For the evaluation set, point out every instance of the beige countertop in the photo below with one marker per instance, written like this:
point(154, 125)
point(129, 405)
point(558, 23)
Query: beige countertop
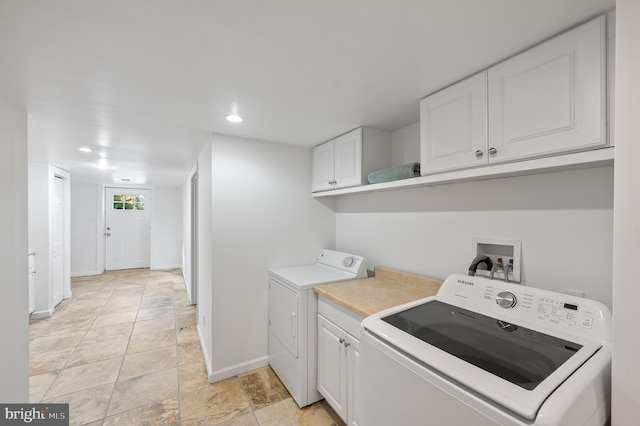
point(387, 288)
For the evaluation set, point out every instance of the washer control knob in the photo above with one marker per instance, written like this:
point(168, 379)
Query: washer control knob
point(348, 261)
point(506, 300)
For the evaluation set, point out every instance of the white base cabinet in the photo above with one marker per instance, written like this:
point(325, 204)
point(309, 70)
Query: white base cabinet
point(347, 160)
point(339, 359)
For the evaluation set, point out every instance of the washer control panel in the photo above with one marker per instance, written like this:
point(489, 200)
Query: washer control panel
point(523, 304)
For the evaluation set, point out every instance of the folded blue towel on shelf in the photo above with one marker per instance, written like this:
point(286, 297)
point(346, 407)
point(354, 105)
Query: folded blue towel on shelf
point(395, 173)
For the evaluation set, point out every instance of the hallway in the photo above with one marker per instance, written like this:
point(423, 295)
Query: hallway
point(124, 351)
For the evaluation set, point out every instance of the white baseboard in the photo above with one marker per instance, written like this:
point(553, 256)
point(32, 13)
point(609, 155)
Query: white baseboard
point(85, 274)
point(231, 371)
point(41, 314)
point(234, 370)
point(165, 267)
point(205, 354)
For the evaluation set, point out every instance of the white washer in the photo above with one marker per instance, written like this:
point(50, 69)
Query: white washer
point(485, 352)
point(293, 319)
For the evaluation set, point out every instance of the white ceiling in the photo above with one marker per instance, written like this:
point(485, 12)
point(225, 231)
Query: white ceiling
point(144, 82)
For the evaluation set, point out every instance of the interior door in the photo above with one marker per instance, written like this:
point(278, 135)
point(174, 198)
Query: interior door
point(58, 249)
point(128, 228)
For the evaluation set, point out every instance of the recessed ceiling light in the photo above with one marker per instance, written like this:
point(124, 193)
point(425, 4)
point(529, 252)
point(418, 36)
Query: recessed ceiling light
point(103, 164)
point(85, 149)
point(234, 118)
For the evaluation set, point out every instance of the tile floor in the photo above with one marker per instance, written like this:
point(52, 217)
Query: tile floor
point(124, 351)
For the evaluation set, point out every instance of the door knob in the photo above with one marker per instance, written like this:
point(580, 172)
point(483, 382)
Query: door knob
point(479, 154)
point(493, 151)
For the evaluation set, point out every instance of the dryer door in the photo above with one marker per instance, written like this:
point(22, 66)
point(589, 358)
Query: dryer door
point(284, 309)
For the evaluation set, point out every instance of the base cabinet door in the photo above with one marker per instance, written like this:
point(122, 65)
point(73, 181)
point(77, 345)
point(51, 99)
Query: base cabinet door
point(551, 98)
point(353, 380)
point(332, 365)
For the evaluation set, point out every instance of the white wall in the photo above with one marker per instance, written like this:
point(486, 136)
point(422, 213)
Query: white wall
point(256, 212)
point(626, 288)
point(564, 221)
point(166, 228)
point(405, 145)
point(85, 220)
point(14, 317)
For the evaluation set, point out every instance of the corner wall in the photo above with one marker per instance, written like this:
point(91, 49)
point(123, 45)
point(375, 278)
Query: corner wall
point(255, 212)
point(14, 307)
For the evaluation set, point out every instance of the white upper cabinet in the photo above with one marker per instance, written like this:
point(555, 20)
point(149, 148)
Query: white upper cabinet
point(347, 160)
point(551, 98)
point(453, 126)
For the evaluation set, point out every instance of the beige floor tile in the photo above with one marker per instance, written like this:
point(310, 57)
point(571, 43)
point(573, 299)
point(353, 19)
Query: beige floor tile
point(187, 334)
point(160, 413)
point(150, 341)
point(192, 376)
point(141, 363)
point(190, 352)
point(155, 301)
point(216, 403)
point(39, 385)
point(144, 390)
point(99, 333)
point(86, 406)
point(287, 413)
point(248, 419)
point(263, 388)
point(121, 304)
point(94, 350)
point(113, 319)
point(68, 326)
point(83, 377)
point(155, 312)
point(56, 343)
point(154, 325)
point(42, 362)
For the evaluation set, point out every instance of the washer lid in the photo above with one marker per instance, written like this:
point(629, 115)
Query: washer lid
point(473, 351)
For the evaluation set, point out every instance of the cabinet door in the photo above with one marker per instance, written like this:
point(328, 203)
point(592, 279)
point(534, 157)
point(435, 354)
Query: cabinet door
point(348, 159)
point(453, 126)
point(322, 167)
point(551, 98)
point(332, 365)
point(353, 380)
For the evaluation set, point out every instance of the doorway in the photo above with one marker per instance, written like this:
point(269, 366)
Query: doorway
point(127, 228)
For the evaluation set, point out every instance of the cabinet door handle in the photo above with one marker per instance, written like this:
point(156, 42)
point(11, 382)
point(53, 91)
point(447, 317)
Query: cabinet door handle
point(493, 151)
point(479, 153)
point(347, 344)
point(342, 341)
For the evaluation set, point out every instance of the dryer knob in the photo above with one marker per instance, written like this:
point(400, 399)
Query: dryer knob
point(506, 300)
point(348, 261)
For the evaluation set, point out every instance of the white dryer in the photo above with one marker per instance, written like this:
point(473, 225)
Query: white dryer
point(293, 319)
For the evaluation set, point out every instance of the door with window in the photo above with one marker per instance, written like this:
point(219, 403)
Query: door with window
point(127, 228)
